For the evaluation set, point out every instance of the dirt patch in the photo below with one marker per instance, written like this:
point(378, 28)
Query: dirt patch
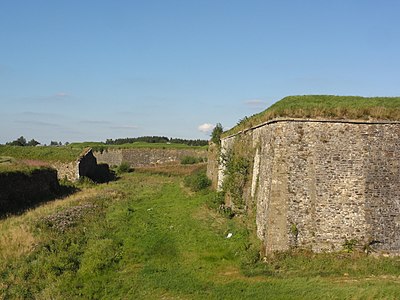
point(34, 163)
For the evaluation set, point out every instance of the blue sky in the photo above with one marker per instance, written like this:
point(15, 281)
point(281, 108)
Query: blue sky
point(91, 70)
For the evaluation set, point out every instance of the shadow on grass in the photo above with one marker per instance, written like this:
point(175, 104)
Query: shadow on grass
point(18, 203)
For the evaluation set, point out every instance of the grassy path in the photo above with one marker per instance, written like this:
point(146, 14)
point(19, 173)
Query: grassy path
point(148, 237)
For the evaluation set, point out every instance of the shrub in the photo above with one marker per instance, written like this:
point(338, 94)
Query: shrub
point(197, 181)
point(349, 245)
point(190, 160)
point(124, 167)
point(216, 134)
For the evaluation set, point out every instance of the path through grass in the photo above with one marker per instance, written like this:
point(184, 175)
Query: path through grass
point(148, 237)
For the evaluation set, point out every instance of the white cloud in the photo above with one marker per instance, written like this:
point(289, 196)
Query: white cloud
point(206, 127)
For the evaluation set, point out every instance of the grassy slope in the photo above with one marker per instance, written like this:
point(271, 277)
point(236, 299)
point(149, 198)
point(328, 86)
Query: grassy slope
point(72, 152)
point(64, 154)
point(100, 145)
point(150, 238)
point(326, 106)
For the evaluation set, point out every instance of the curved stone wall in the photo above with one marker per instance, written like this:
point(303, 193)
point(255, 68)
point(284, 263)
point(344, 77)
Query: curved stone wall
point(317, 184)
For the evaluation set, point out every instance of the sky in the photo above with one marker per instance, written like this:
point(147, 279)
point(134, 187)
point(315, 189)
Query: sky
point(73, 70)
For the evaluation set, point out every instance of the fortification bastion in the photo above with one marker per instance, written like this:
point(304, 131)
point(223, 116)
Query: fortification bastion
point(318, 183)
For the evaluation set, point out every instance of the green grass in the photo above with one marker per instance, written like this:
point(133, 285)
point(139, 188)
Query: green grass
point(64, 153)
point(148, 237)
point(102, 146)
point(10, 165)
point(326, 106)
point(72, 151)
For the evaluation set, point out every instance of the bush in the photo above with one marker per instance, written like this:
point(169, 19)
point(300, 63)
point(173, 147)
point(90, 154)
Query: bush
point(124, 167)
point(190, 160)
point(197, 181)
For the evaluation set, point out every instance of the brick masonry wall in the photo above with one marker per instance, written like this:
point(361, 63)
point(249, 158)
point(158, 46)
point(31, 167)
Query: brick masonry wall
point(317, 183)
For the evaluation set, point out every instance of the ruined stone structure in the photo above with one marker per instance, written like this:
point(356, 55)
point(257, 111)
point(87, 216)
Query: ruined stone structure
point(145, 157)
point(86, 165)
point(317, 183)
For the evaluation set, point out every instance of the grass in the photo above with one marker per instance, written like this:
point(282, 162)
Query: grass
point(98, 146)
point(326, 106)
point(11, 165)
point(72, 151)
point(147, 237)
point(63, 154)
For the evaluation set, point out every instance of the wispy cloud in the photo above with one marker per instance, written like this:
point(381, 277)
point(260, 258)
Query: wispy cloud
point(53, 98)
point(40, 114)
point(95, 122)
point(255, 103)
point(128, 127)
point(37, 123)
point(206, 127)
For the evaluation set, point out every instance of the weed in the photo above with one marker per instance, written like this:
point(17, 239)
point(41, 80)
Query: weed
point(349, 245)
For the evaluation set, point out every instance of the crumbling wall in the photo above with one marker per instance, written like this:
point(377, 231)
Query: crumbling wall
point(88, 167)
point(69, 171)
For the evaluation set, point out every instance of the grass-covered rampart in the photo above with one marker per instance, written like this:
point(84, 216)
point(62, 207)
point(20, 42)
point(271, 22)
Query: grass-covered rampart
point(48, 154)
point(98, 146)
point(326, 107)
point(72, 151)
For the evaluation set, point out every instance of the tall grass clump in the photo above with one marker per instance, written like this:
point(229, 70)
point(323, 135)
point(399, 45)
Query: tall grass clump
point(190, 160)
point(197, 181)
point(124, 167)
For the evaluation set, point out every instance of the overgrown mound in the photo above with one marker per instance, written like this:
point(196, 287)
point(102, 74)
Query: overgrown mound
point(326, 107)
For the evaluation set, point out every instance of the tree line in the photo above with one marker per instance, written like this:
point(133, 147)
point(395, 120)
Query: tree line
point(157, 139)
point(21, 141)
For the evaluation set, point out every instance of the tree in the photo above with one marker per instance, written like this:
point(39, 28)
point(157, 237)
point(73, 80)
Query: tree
point(21, 141)
point(216, 134)
point(33, 142)
point(53, 143)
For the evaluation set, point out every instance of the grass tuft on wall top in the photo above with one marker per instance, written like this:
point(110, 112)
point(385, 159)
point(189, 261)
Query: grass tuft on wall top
point(326, 107)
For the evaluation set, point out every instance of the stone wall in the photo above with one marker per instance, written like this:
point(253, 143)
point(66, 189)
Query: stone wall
point(69, 171)
point(212, 164)
point(86, 165)
point(20, 190)
point(317, 184)
point(143, 157)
